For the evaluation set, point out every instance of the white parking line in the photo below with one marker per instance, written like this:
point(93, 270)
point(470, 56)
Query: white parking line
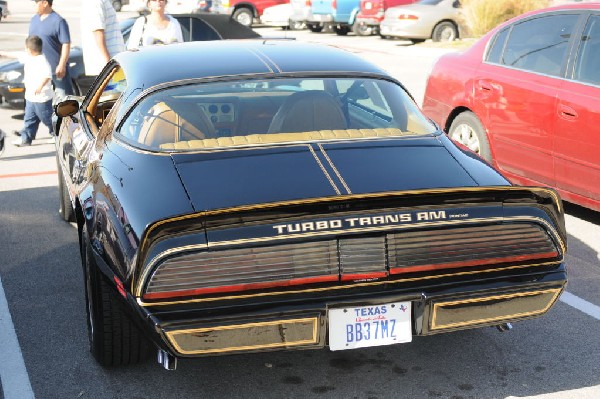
point(581, 304)
point(13, 374)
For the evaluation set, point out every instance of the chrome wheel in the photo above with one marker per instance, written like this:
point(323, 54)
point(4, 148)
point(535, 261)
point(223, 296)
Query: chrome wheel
point(465, 135)
point(468, 130)
point(243, 16)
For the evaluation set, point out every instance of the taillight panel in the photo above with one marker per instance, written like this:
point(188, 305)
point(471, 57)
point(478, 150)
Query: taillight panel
point(349, 259)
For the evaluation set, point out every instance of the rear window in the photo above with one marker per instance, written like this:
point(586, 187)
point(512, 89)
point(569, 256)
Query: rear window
point(272, 111)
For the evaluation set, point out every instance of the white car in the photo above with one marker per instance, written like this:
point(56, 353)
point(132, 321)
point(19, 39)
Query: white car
point(290, 15)
point(280, 15)
point(185, 6)
point(134, 6)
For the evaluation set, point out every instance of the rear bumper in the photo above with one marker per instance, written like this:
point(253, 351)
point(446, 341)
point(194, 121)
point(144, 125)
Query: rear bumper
point(369, 21)
point(305, 326)
point(13, 95)
point(319, 18)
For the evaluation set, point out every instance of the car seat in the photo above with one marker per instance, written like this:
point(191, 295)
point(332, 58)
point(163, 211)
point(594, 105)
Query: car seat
point(307, 111)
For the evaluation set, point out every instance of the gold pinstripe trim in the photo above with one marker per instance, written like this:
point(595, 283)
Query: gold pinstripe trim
point(269, 205)
point(171, 336)
point(344, 287)
point(337, 173)
point(149, 267)
point(555, 291)
point(258, 55)
point(314, 154)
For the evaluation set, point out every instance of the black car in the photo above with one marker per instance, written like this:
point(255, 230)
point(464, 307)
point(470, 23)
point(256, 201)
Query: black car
point(267, 195)
point(195, 27)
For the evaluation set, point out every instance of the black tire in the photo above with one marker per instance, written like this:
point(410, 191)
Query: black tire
point(244, 16)
point(113, 338)
point(417, 41)
point(468, 130)
point(341, 30)
point(444, 32)
point(314, 28)
point(117, 5)
point(362, 29)
point(65, 209)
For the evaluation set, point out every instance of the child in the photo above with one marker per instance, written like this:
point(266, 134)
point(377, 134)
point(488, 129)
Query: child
point(38, 92)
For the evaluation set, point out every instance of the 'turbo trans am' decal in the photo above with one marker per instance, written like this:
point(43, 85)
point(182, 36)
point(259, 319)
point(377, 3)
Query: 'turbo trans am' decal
point(366, 221)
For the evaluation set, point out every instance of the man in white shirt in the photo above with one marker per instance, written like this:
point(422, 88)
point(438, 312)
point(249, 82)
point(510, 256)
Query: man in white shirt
point(101, 37)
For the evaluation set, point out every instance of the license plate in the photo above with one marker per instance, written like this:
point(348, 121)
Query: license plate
point(361, 327)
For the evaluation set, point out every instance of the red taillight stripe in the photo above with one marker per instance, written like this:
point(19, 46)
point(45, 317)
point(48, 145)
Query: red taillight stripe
point(363, 276)
point(476, 262)
point(241, 287)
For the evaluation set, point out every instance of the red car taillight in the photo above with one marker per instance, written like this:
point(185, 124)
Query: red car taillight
point(410, 17)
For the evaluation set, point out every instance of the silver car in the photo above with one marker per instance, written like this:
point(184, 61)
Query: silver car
point(427, 19)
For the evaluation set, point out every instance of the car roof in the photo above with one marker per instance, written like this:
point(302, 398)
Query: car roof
point(153, 65)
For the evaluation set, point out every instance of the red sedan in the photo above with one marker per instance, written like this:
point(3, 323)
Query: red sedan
point(526, 97)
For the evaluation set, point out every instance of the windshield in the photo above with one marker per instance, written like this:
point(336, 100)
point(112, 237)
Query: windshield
point(272, 111)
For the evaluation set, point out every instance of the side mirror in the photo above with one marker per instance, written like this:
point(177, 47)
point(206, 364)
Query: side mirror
point(66, 108)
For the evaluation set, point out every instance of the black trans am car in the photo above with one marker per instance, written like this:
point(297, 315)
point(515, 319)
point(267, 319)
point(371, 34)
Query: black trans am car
point(195, 27)
point(267, 195)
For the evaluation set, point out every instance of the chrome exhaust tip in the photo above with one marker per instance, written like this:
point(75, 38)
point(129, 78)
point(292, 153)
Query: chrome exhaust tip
point(168, 361)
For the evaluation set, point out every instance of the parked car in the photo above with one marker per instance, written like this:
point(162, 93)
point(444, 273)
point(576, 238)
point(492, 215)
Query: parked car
point(438, 20)
point(268, 195)
point(195, 27)
point(139, 6)
point(4, 9)
point(2, 141)
point(188, 6)
point(339, 15)
point(300, 11)
point(244, 11)
point(526, 97)
point(371, 14)
point(282, 15)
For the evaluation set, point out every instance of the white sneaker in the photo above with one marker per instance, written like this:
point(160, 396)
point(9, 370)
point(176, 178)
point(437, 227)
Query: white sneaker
point(20, 143)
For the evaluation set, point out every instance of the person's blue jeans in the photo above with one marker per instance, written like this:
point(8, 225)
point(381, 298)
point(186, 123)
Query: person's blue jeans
point(62, 87)
point(34, 114)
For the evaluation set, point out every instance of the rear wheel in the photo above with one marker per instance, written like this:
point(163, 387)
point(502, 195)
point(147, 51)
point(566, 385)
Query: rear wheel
point(362, 29)
point(65, 208)
point(244, 16)
point(296, 25)
point(114, 339)
point(314, 28)
point(468, 130)
point(341, 30)
point(444, 32)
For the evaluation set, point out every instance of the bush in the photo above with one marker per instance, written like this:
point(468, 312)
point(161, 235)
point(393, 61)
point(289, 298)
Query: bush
point(480, 16)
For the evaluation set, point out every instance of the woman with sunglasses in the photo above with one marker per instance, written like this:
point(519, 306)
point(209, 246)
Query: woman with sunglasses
point(155, 28)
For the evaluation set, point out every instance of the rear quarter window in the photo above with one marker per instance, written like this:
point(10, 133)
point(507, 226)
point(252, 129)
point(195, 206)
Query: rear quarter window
point(540, 44)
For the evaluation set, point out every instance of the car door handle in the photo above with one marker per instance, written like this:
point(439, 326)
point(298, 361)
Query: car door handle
point(485, 86)
point(567, 112)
